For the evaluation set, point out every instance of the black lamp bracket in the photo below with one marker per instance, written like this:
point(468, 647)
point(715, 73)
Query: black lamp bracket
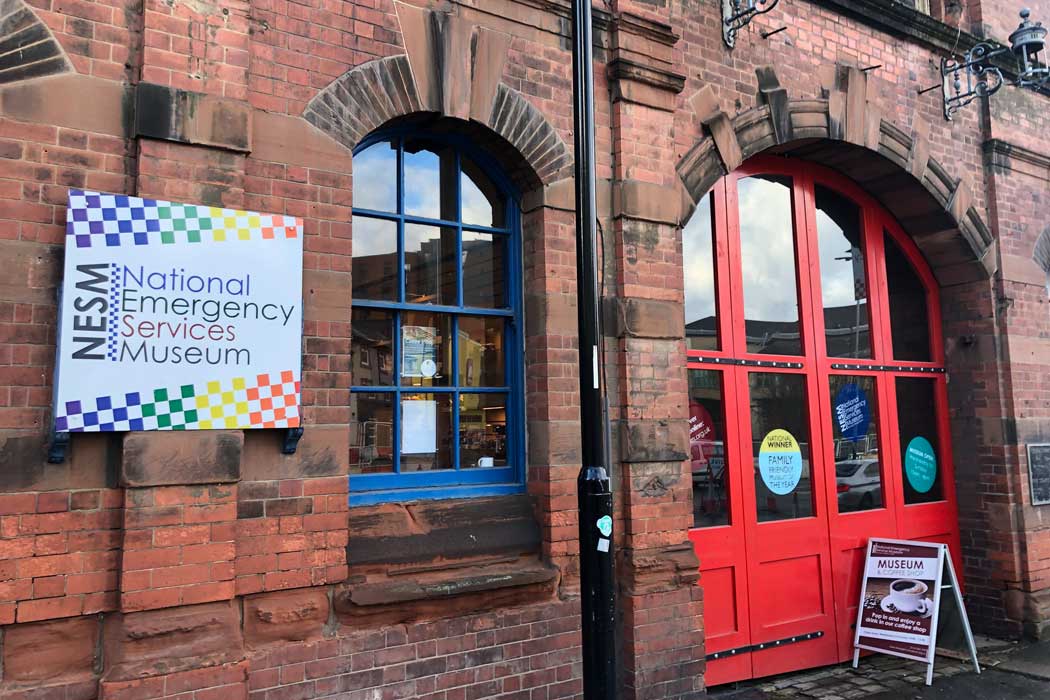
point(737, 14)
point(963, 81)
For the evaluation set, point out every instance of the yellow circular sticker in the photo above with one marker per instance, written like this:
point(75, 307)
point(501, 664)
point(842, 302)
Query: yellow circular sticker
point(780, 461)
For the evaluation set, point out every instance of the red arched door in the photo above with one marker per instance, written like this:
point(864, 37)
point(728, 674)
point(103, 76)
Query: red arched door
point(815, 365)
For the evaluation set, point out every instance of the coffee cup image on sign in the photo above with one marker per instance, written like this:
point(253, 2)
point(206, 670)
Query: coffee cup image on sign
point(908, 595)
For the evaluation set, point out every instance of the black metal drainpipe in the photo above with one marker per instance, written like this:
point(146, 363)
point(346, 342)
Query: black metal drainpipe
point(598, 595)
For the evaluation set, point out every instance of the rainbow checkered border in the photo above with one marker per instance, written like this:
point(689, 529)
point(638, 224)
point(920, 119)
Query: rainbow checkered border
point(263, 401)
point(99, 219)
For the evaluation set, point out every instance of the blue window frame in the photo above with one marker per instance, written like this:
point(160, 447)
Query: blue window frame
point(436, 342)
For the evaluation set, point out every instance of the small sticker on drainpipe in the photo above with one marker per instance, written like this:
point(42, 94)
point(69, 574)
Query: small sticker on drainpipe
point(603, 545)
point(594, 362)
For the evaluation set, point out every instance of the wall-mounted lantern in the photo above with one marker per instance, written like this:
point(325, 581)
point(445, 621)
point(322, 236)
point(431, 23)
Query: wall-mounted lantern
point(737, 14)
point(964, 81)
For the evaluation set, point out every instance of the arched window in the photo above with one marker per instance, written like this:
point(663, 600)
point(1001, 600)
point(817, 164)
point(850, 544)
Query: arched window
point(436, 363)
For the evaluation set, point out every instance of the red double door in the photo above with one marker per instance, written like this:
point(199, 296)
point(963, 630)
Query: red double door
point(815, 367)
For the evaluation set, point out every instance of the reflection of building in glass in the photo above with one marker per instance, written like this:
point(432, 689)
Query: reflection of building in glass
point(846, 328)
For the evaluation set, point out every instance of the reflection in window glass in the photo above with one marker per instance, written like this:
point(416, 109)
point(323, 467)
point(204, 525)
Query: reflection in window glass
point(482, 430)
point(481, 351)
point(430, 189)
point(426, 432)
point(371, 347)
point(701, 314)
point(483, 203)
point(374, 270)
point(917, 431)
point(781, 447)
point(375, 178)
point(425, 348)
point(430, 265)
point(767, 247)
point(707, 452)
point(483, 264)
point(909, 319)
point(371, 433)
point(854, 420)
point(843, 283)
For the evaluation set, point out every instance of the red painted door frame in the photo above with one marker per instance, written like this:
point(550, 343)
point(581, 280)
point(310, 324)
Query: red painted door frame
point(745, 606)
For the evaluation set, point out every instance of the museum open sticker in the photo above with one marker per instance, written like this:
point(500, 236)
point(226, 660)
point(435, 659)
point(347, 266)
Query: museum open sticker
point(178, 317)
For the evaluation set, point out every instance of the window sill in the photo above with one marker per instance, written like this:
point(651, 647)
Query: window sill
point(505, 574)
point(369, 498)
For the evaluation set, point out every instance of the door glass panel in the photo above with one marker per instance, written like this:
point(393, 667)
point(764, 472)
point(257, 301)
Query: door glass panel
point(780, 446)
point(701, 310)
point(917, 431)
point(854, 417)
point(843, 283)
point(909, 317)
point(707, 453)
point(767, 249)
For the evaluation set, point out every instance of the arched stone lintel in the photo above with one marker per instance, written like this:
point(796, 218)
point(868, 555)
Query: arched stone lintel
point(452, 69)
point(950, 231)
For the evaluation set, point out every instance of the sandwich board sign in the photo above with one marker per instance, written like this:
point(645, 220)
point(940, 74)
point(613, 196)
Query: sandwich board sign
point(178, 317)
point(901, 600)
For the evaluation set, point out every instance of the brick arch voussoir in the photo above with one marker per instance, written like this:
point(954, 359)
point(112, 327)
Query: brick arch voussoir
point(30, 50)
point(953, 235)
point(1041, 252)
point(384, 90)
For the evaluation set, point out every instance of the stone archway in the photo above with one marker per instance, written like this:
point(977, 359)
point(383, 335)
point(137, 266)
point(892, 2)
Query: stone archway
point(451, 68)
point(844, 131)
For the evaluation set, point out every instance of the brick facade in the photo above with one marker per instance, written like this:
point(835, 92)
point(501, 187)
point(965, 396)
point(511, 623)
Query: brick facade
point(212, 566)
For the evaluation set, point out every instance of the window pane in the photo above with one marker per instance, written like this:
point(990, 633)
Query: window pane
point(780, 443)
point(430, 185)
point(426, 353)
point(483, 203)
point(483, 265)
point(374, 268)
point(707, 454)
point(701, 312)
point(909, 319)
point(843, 283)
point(481, 351)
point(371, 430)
point(855, 417)
point(767, 248)
point(375, 178)
point(917, 430)
point(371, 348)
point(430, 265)
point(426, 432)
point(482, 430)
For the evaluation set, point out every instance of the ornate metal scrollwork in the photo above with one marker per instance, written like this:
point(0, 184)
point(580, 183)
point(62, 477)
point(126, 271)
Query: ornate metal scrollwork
point(981, 78)
point(737, 14)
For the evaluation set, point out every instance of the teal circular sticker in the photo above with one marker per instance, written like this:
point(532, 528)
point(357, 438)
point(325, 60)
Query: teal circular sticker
point(920, 464)
point(780, 462)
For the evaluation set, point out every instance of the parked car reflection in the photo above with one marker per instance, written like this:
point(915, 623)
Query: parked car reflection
point(859, 484)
